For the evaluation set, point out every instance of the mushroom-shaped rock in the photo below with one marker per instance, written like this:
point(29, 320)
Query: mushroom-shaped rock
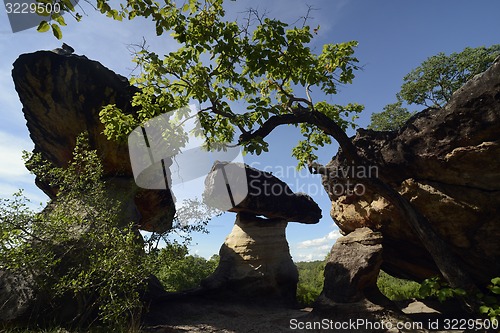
point(255, 261)
point(62, 97)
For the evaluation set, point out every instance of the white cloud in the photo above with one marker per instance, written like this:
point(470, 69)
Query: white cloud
point(325, 242)
point(314, 249)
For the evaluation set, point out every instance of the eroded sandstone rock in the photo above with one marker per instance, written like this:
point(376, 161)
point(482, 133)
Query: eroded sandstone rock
point(446, 163)
point(255, 261)
point(267, 195)
point(16, 296)
point(350, 289)
point(353, 265)
point(62, 96)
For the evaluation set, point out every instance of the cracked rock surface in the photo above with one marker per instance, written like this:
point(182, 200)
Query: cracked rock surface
point(446, 162)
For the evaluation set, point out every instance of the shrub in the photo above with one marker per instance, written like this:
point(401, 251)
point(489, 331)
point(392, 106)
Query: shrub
point(81, 255)
point(491, 302)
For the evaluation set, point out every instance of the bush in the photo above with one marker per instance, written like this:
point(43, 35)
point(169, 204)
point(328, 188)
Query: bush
point(86, 263)
point(490, 302)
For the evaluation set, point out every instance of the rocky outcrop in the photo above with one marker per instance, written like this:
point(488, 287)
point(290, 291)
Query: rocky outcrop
point(352, 266)
point(62, 96)
point(267, 195)
point(16, 296)
point(445, 162)
point(255, 262)
point(350, 288)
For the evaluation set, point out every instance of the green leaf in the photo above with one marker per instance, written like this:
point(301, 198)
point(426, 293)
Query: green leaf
point(43, 27)
point(56, 30)
point(495, 290)
point(484, 309)
point(496, 281)
point(59, 19)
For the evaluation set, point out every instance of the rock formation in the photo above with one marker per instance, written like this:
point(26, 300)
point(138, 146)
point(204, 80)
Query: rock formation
point(350, 288)
point(255, 261)
point(446, 162)
point(62, 96)
point(16, 295)
point(352, 266)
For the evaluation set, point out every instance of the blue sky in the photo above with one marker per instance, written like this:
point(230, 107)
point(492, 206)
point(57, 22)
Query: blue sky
point(394, 37)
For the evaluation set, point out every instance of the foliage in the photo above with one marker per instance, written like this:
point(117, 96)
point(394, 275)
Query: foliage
point(311, 277)
point(76, 249)
point(433, 82)
point(438, 77)
point(261, 62)
point(392, 118)
point(491, 302)
point(178, 271)
point(397, 289)
point(436, 287)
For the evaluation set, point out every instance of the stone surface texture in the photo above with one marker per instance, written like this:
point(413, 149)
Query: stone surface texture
point(255, 262)
point(446, 162)
point(353, 265)
point(62, 96)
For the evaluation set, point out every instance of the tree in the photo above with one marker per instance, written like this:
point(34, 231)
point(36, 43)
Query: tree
point(392, 118)
point(178, 271)
point(270, 67)
point(311, 277)
point(433, 82)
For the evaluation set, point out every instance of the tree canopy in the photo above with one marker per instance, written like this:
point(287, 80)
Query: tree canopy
point(392, 118)
point(432, 83)
point(263, 62)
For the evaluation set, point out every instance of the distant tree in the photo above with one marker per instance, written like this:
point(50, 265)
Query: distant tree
point(392, 118)
point(177, 270)
point(433, 82)
point(397, 289)
point(311, 277)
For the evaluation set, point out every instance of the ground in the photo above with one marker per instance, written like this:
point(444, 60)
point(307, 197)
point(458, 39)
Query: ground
point(211, 316)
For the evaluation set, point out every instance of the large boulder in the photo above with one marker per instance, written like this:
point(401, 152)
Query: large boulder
point(445, 162)
point(353, 265)
point(350, 288)
point(16, 296)
point(266, 194)
point(62, 96)
point(255, 262)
